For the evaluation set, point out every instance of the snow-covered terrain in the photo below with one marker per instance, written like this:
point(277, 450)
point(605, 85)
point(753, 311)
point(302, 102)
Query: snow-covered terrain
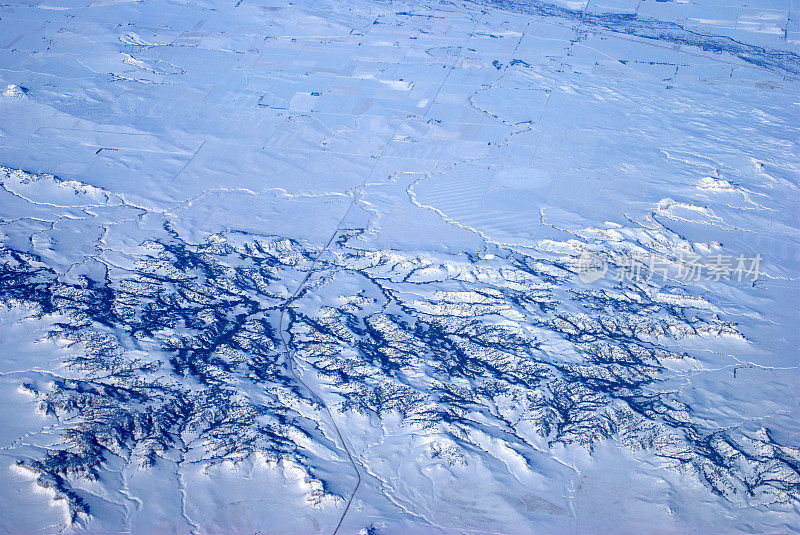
point(321, 266)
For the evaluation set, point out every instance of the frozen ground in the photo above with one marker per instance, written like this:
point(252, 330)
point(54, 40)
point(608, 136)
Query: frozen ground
point(257, 256)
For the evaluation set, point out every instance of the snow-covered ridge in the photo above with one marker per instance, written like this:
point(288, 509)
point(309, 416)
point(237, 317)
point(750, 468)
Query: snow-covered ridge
point(177, 358)
point(320, 267)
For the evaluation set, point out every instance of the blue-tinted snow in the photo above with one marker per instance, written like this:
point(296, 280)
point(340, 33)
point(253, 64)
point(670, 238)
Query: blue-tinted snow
point(258, 256)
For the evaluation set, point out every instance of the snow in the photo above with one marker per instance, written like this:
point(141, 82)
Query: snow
point(300, 267)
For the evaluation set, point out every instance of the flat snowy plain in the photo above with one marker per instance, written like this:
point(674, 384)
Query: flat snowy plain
point(257, 256)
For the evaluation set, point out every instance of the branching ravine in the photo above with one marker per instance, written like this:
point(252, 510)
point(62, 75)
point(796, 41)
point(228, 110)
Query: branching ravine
point(291, 366)
point(202, 342)
point(355, 195)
